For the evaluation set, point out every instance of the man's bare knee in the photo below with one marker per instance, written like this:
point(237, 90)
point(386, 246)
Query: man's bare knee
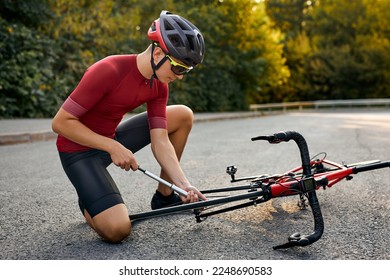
point(187, 114)
point(181, 114)
point(115, 233)
point(113, 224)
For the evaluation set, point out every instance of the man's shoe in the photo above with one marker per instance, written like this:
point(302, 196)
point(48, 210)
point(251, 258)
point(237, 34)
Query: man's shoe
point(161, 201)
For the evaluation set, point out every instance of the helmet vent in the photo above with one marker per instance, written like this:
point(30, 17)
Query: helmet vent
point(191, 42)
point(168, 26)
point(182, 25)
point(175, 41)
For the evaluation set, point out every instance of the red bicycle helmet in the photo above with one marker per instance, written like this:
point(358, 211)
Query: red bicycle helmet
point(178, 37)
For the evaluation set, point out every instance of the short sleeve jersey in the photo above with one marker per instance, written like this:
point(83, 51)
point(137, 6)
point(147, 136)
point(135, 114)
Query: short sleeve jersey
point(109, 89)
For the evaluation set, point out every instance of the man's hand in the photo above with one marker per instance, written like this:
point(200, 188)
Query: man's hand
point(123, 157)
point(193, 195)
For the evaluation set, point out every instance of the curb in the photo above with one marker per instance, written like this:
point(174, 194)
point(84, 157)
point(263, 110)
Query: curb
point(20, 138)
point(46, 135)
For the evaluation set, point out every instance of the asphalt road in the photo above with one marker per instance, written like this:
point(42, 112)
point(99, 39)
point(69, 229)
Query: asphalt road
point(40, 217)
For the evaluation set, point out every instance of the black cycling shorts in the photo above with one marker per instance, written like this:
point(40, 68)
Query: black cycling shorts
point(87, 170)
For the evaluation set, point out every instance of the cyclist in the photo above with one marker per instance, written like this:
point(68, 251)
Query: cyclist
point(91, 135)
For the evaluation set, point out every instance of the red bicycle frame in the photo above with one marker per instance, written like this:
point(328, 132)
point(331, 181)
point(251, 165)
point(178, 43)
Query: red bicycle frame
point(287, 186)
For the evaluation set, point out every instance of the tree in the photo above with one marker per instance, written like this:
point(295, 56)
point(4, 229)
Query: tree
point(374, 43)
point(243, 56)
point(292, 18)
point(47, 45)
point(351, 56)
point(26, 60)
point(87, 31)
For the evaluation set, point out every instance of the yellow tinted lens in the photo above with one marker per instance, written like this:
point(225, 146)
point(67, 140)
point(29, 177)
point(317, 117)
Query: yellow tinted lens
point(178, 68)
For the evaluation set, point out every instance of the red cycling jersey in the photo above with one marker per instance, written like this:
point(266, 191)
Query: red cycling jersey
point(109, 89)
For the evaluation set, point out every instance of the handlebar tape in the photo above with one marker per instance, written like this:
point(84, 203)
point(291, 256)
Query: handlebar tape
point(370, 167)
point(297, 239)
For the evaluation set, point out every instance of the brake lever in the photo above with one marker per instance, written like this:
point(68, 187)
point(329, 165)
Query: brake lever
point(270, 138)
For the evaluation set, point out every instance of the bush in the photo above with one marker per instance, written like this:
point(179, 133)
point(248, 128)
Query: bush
point(26, 76)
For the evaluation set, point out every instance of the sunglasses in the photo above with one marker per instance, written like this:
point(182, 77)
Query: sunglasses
point(178, 68)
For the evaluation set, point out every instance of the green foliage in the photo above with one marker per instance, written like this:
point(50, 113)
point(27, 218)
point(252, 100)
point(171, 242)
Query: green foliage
point(334, 49)
point(87, 31)
point(212, 85)
point(256, 51)
point(31, 13)
point(26, 60)
point(292, 17)
point(351, 59)
point(243, 56)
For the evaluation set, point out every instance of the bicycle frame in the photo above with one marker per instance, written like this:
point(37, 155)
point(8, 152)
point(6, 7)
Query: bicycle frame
point(303, 181)
point(284, 187)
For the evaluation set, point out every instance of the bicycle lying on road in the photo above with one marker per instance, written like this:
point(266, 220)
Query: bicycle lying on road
point(303, 181)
